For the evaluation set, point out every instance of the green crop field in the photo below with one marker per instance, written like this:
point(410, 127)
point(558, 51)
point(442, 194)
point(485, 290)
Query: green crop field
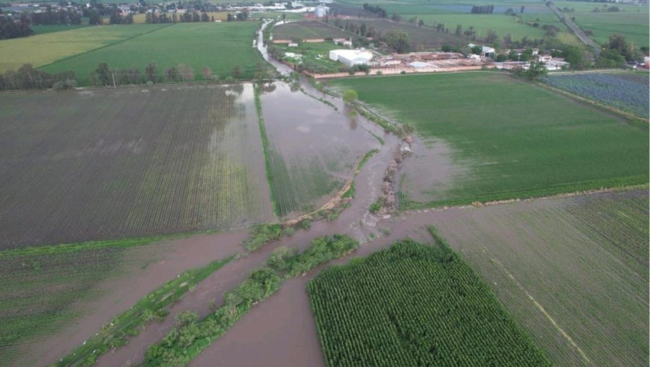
point(108, 164)
point(482, 23)
point(573, 271)
point(634, 26)
point(414, 305)
point(42, 29)
point(509, 138)
point(47, 48)
point(220, 46)
point(307, 30)
point(311, 150)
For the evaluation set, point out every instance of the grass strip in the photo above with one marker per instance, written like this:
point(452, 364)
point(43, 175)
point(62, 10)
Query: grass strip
point(365, 159)
point(191, 335)
point(115, 334)
point(265, 148)
point(618, 183)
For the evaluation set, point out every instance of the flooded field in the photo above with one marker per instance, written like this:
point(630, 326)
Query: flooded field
point(313, 148)
point(111, 164)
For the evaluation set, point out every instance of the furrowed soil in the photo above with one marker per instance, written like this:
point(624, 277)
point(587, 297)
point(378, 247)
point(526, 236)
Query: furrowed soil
point(134, 162)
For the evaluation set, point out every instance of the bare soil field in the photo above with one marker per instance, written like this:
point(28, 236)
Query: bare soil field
point(307, 30)
point(111, 164)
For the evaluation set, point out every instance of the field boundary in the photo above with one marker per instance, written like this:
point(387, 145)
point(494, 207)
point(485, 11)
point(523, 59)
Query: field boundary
point(102, 47)
point(632, 119)
point(265, 148)
point(478, 204)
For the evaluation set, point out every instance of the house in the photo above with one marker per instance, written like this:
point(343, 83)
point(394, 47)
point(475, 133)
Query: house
point(351, 57)
point(545, 58)
point(343, 42)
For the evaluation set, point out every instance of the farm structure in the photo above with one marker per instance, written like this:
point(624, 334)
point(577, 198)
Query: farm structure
point(514, 154)
point(351, 57)
point(414, 305)
point(157, 161)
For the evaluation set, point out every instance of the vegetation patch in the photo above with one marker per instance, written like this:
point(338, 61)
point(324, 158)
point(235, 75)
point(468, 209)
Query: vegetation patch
point(414, 305)
point(129, 323)
point(191, 335)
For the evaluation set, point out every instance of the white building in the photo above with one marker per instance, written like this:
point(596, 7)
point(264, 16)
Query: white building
point(485, 50)
point(321, 11)
point(351, 57)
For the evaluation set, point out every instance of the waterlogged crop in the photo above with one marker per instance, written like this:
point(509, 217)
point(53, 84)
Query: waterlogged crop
point(628, 92)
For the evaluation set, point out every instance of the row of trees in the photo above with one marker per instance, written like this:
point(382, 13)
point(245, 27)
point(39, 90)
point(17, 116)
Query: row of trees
point(50, 17)
point(377, 10)
point(11, 29)
point(29, 78)
point(103, 75)
point(486, 9)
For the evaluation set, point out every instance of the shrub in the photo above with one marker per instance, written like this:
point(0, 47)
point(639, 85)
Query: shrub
point(279, 258)
point(305, 224)
point(263, 234)
point(375, 207)
point(322, 250)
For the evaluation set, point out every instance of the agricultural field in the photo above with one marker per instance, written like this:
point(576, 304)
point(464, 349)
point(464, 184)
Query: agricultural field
point(110, 164)
point(45, 292)
point(220, 46)
point(307, 30)
point(500, 23)
point(311, 149)
point(42, 29)
point(624, 91)
point(415, 305)
point(506, 138)
point(573, 271)
point(47, 48)
point(634, 26)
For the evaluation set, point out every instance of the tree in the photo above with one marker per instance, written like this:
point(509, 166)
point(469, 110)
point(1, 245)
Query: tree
point(350, 96)
point(522, 9)
point(491, 36)
point(151, 73)
point(459, 30)
point(398, 40)
point(236, 72)
point(94, 18)
point(207, 73)
point(103, 74)
point(421, 22)
point(476, 50)
point(502, 58)
point(446, 48)
point(396, 17)
point(536, 70)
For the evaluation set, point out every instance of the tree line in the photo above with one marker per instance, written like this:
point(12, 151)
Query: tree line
point(11, 29)
point(375, 9)
point(29, 78)
point(486, 9)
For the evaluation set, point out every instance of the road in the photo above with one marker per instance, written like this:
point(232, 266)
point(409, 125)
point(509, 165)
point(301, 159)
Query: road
point(574, 27)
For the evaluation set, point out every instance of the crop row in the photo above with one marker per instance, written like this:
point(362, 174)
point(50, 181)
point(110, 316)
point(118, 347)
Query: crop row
point(155, 163)
point(414, 305)
point(611, 89)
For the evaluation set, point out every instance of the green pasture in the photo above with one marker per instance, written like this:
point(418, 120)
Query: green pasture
point(220, 46)
point(482, 23)
point(510, 139)
point(47, 48)
point(634, 26)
